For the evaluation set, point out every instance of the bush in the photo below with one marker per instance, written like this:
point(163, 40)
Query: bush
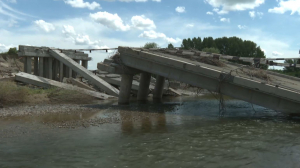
point(12, 51)
point(11, 94)
point(211, 50)
point(170, 46)
point(150, 45)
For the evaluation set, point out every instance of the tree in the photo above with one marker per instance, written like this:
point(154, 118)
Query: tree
point(170, 46)
point(211, 50)
point(185, 44)
point(12, 51)
point(150, 45)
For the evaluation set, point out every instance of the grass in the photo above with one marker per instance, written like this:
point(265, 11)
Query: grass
point(12, 94)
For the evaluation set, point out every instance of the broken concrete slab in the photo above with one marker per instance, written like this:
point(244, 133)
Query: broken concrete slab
point(113, 76)
point(47, 83)
point(80, 84)
point(101, 84)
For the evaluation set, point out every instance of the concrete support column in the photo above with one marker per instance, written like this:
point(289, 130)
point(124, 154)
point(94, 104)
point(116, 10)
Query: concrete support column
point(144, 87)
point(74, 74)
point(159, 88)
point(55, 69)
point(126, 83)
point(36, 66)
point(84, 63)
point(50, 68)
point(28, 65)
point(61, 71)
point(65, 68)
point(25, 64)
point(46, 68)
point(41, 66)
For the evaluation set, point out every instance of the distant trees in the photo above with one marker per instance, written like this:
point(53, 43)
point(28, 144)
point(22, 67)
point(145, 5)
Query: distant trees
point(12, 51)
point(170, 46)
point(150, 45)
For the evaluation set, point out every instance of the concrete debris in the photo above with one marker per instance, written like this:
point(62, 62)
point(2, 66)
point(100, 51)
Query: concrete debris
point(47, 83)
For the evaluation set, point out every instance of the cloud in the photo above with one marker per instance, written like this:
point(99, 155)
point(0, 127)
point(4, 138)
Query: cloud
point(234, 5)
point(12, 1)
point(109, 20)
point(155, 35)
point(47, 27)
point(253, 14)
point(10, 12)
point(68, 30)
point(275, 53)
point(180, 9)
point(84, 40)
point(225, 20)
point(190, 25)
point(135, 0)
point(242, 26)
point(82, 4)
point(142, 23)
point(5, 48)
point(209, 13)
point(284, 6)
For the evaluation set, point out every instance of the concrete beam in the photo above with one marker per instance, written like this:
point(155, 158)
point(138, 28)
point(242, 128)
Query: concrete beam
point(144, 86)
point(273, 97)
point(125, 89)
point(47, 83)
point(74, 74)
point(95, 80)
point(41, 54)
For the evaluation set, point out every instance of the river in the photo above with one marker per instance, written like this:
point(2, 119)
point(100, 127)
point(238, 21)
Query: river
point(180, 132)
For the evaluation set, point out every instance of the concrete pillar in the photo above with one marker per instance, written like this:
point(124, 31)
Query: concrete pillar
point(84, 63)
point(74, 74)
point(28, 65)
point(159, 88)
point(61, 71)
point(25, 64)
point(55, 69)
point(36, 66)
point(70, 72)
point(50, 68)
point(65, 68)
point(41, 66)
point(126, 83)
point(144, 87)
point(46, 68)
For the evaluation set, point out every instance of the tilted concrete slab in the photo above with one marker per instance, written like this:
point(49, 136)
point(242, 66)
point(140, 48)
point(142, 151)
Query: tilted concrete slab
point(80, 84)
point(47, 83)
point(95, 80)
point(284, 97)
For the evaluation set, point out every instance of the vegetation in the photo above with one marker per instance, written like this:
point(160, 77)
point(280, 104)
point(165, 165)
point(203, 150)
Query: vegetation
point(12, 51)
point(150, 45)
point(170, 46)
point(291, 71)
point(211, 50)
point(12, 94)
point(233, 46)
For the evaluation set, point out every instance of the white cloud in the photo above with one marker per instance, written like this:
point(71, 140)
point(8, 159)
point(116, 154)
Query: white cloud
point(190, 25)
point(47, 27)
point(68, 30)
point(109, 20)
point(234, 5)
point(82, 4)
point(180, 9)
point(284, 6)
point(209, 13)
point(5, 48)
point(155, 35)
point(225, 20)
point(253, 14)
point(242, 26)
point(84, 40)
point(12, 1)
point(275, 53)
point(142, 23)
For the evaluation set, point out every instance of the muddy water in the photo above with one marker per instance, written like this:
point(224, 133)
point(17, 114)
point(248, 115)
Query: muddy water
point(182, 132)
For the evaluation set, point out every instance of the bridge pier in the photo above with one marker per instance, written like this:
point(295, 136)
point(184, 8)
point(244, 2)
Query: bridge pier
point(36, 66)
point(144, 87)
point(159, 87)
point(126, 83)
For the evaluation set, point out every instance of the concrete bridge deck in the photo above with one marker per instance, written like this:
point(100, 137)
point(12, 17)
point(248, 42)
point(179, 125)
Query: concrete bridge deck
point(264, 88)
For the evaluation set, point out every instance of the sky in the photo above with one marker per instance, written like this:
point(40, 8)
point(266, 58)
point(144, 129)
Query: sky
point(82, 24)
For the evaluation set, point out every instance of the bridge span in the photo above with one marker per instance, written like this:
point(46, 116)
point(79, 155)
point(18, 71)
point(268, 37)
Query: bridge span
point(261, 87)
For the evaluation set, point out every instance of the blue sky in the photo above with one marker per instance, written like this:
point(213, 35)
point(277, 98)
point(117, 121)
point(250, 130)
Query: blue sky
point(274, 24)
